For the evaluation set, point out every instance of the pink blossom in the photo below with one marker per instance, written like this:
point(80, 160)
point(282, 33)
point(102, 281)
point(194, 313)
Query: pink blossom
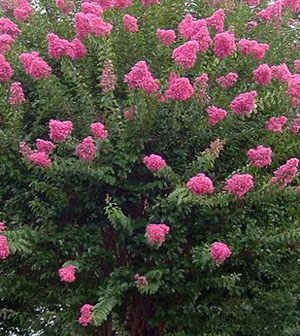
point(154, 162)
point(297, 65)
point(224, 45)
point(67, 274)
point(252, 2)
point(201, 35)
point(179, 88)
point(215, 114)
point(23, 11)
point(78, 50)
point(252, 24)
point(141, 281)
point(108, 78)
point(9, 27)
point(6, 42)
point(263, 74)
point(295, 126)
point(91, 8)
point(200, 185)
point(217, 20)
point(16, 94)
point(60, 130)
point(40, 159)
point(105, 4)
point(156, 233)
point(281, 72)
point(146, 3)
point(4, 247)
point(45, 146)
point(166, 36)
point(99, 131)
point(86, 315)
point(6, 72)
point(227, 81)
point(253, 48)
point(91, 24)
point(58, 47)
point(200, 86)
point(186, 54)
point(272, 12)
point(130, 23)
point(35, 66)
point(186, 27)
point(293, 5)
point(122, 4)
point(2, 226)
point(286, 173)
point(261, 156)
point(244, 103)
point(86, 150)
point(141, 78)
point(220, 252)
point(24, 149)
point(65, 6)
point(239, 184)
point(294, 86)
point(276, 124)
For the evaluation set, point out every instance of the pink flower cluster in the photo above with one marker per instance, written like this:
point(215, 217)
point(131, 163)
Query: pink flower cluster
point(261, 156)
point(122, 4)
point(99, 131)
point(87, 24)
point(140, 281)
point(67, 274)
point(200, 185)
point(220, 252)
point(6, 42)
point(6, 72)
point(4, 247)
point(295, 126)
point(141, 78)
point(244, 103)
point(65, 6)
point(276, 124)
point(296, 64)
point(60, 47)
point(227, 81)
point(166, 36)
point(16, 94)
point(179, 88)
point(130, 23)
point(252, 2)
point(23, 11)
point(45, 146)
point(217, 20)
point(91, 8)
point(281, 72)
point(146, 3)
point(60, 130)
point(263, 74)
point(224, 44)
point(156, 233)
point(154, 162)
point(253, 48)
point(294, 89)
point(108, 78)
point(9, 27)
point(86, 150)
point(239, 184)
point(86, 315)
point(200, 87)
point(272, 12)
point(215, 114)
point(286, 173)
point(186, 54)
point(35, 66)
point(40, 159)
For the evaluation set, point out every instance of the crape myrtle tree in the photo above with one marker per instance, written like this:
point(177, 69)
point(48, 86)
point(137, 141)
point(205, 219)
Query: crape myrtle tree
point(149, 167)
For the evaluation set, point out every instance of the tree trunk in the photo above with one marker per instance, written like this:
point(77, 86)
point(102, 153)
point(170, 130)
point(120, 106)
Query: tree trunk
point(106, 328)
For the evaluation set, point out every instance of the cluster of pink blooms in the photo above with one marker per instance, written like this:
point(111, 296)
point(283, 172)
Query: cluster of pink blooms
point(224, 44)
point(156, 233)
point(200, 87)
point(6, 72)
point(239, 184)
point(6, 42)
point(295, 126)
point(65, 6)
point(253, 48)
point(215, 114)
point(99, 131)
point(293, 5)
point(272, 12)
point(86, 315)
point(67, 274)
point(154, 162)
point(261, 156)
point(4, 247)
point(166, 36)
point(40, 159)
point(281, 72)
point(200, 185)
point(140, 281)
point(35, 66)
point(252, 2)
point(91, 24)
point(91, 8)
point(60, 47)
point(9, 27)
point(186, 54)
point(286, 173)
point(220, 252)
point(297, 65)
point(227, 81)
point(45, 146)
point(108, 79)
point(294, 89)
point(263, 74)
point(276, 124)
point(130, 23)
point(23, 11)
point(86, 150)
point(179, 88)
point(60, 130)
point(244, 103)
point(146, 3)
point(141, 78)
point(217, 20)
